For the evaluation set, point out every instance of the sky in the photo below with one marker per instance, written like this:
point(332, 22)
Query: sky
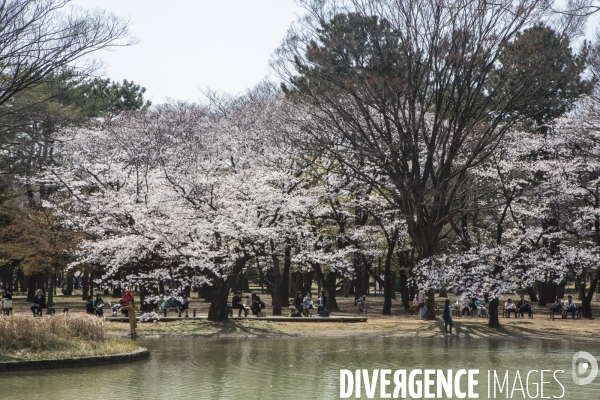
point(188, 46)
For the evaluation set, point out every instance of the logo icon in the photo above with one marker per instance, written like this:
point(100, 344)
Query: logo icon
point(584, 362)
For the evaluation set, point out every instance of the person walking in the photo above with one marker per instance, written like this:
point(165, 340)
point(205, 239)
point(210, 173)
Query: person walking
point(448, 318)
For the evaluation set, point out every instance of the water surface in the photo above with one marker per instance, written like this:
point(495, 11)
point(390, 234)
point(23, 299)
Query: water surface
point(299, 368)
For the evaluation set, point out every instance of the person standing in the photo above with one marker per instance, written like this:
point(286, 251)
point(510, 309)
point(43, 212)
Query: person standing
point(125, 301)
point(131, 309)
point(448, 318)
point(422, 307)
point(322, 302)
point(185, 304)
point(7, 299)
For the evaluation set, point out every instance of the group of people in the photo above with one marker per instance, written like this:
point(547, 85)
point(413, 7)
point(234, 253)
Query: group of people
point(95, 307)
point(305, 303)
point(567, 307)
point(253, 303)
point(521, 307)
point(469, 307)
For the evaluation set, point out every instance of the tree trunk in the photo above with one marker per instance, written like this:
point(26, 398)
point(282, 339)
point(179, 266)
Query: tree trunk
point(51, 290)
point(218, 307)
point(404, 289)
point(308, 280)
point(328, 283)
point(31, 288)
point(543, 287)
point(85, 286)
point(285, 278)
point(388, 284)
point(22, 278)
point(69, 285)
point(494, 320)
point(430, 313)
point(532, 295)
point(560, 293)
point(552, 291)
point(277, 284)
point(587, 295)
point(7, 275)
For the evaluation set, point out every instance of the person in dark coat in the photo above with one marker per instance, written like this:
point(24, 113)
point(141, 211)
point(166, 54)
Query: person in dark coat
point(89, 306)
point(39, 302)
point(448, 318)
point(299, 302)
point(236, 303)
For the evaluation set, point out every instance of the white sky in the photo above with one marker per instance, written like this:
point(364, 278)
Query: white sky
point(186, 46)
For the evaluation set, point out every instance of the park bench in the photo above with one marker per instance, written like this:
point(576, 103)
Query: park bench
point(563, 314)
point(167, 309)
point(505, 313)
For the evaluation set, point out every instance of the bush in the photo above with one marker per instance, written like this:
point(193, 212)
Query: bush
point(19, 332)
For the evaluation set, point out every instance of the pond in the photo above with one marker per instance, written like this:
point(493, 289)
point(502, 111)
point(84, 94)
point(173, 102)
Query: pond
point(303, 368)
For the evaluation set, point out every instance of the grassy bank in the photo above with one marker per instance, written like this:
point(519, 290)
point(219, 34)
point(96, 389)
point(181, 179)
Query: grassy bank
point(539, 328)
point(23, 337)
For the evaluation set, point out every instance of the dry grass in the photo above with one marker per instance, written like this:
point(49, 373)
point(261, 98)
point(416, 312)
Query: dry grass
point(19, 332)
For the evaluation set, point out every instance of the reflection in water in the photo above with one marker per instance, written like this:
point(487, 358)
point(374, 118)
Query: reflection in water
point(302, 368)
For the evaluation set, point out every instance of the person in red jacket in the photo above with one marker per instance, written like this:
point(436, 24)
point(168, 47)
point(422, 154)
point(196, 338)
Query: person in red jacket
point(126, 300)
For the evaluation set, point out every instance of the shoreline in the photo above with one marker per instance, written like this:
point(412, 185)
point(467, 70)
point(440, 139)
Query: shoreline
point(75, 362)
point(376, 328)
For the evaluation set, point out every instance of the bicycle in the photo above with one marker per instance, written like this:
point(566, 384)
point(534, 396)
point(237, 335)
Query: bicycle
point(361, 307)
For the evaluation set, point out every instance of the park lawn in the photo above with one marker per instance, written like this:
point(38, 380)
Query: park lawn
point(539, 328)
point(72, 348)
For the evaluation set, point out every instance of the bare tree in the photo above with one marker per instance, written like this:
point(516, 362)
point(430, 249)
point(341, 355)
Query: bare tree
point(40, 37)
point(419, 92)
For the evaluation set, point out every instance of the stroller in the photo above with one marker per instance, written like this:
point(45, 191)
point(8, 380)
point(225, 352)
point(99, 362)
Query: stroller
point(115, 308)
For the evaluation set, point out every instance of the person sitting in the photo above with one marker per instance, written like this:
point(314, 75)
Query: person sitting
point(308, 304)
point(569, 306)
point(465, 307)
point(39, 302)
point(184, 305)
point(524, 307)
point(558, 306)
point(510, 307)
point(89, 305)
point(125, 301)
point(99, 305)
point(299, 302)
point(480, 306)
point(236, 303)
point(257, 305)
